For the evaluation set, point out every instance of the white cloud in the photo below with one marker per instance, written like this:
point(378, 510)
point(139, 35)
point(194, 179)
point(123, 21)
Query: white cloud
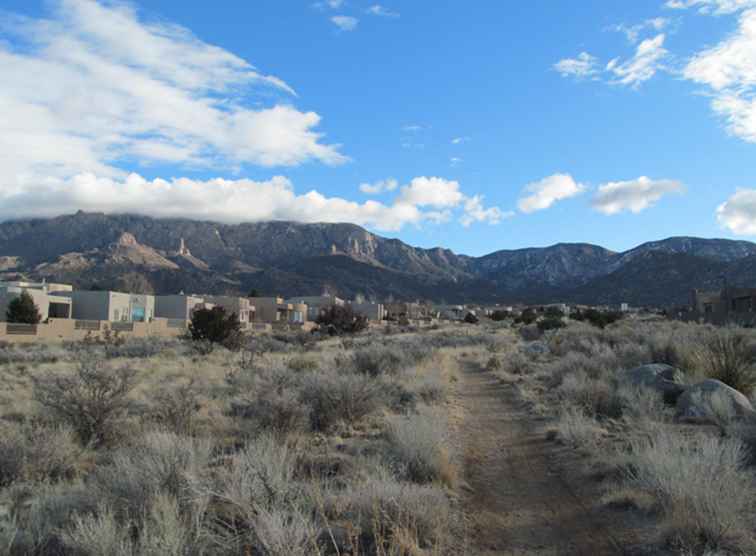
point(738, 213)
point(241, 200)
point(542, 194)
point(456, 160)
point(433, 192)
point(713, 7)
point(633, 195)
point(460, 140)
point(345, 22)
point(633, 32)
point(379, 187)
point(381, 11)
point(476, 212)
point(581, 67)
point(93, 86)
point(642, 66)
point(332, 4)
point(412, 128)
point(729, 70)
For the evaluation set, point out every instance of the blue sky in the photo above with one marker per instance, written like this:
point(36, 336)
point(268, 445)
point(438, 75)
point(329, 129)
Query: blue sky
point(471, 125)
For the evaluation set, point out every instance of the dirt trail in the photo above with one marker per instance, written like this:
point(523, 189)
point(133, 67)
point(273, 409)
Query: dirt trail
point(516, 502)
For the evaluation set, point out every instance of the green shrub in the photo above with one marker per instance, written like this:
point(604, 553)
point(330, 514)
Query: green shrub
point(551, 323)
point(341, 319)
point(212, 327)
point(22, 309)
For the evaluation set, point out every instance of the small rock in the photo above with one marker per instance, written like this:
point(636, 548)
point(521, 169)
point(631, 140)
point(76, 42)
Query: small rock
point(665, 379)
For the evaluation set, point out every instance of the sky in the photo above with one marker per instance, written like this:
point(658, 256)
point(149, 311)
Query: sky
point(476, 126)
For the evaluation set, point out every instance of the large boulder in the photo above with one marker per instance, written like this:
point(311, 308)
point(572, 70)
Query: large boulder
point(665, 379)
point(713, 401)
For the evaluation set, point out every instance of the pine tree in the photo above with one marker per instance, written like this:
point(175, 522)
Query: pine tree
point(23, 310)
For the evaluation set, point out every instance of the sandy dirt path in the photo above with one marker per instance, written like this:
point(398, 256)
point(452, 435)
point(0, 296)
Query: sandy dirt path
point(515, 497)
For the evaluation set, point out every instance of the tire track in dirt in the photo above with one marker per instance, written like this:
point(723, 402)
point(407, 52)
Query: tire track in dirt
point(515, 501)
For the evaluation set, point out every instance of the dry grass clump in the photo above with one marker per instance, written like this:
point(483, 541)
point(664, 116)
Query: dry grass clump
point(419, 448)
point(387, 516)
point(577, 429)
point(701, 483)
point(335, 397)
point(727, 355)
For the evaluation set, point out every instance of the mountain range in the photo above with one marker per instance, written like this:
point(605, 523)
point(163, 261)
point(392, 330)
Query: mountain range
point(148, 255)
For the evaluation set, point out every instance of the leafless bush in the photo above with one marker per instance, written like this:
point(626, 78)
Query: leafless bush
point(90, 400)
point(333, 397)
point(270, 398)
point(377, 361)
point(419, 446)
point(700, 481)
point(175, 407)
point(432, 389)
point(98, 533)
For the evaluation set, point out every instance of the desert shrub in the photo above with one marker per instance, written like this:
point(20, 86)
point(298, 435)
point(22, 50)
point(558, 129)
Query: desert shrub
point(90, 399)
point(432, 389)
point(383, 510)
point(577, 429)
point(161, 462)
point(268, 510)
point(42, 512)
point(98, 533)
point(210, 327)
point(12, 454)
point(699, 481)
point(530, 333)
point(341, 319)
point(333, 397)
point(22, 309)
point(471, 318)
point(136, 348)
point(595, 396)
point(32, 353)
point(528, 316)
point(600, 319)
point(301, 364)
point(270, 397)
point(726, 355)
point(501, 315)
point(550, 323)
point(516, 363)
point(378, 361)
point(493, 364)
point(175, 407)
point(419, 448)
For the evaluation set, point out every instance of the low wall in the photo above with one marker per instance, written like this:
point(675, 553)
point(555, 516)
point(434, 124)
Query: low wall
point(73, 330)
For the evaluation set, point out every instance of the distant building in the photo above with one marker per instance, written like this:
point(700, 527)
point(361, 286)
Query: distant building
point(730, 305)
point(180, 307)
point(240, 306)
point(49, 305)
point(409, 311)
point(275, 310)
point(374, 312)
point(316, 304)
point(111, 306)
point(450, 312)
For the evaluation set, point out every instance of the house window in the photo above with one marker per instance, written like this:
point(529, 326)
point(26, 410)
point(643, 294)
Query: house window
point(116, 315)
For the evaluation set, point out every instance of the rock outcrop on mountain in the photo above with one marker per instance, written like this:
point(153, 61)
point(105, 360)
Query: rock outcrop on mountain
point(171, 255)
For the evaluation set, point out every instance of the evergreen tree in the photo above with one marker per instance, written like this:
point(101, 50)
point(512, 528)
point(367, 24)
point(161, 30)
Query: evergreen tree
point(23, 310)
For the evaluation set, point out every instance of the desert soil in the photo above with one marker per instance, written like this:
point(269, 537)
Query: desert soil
point(521, 493)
